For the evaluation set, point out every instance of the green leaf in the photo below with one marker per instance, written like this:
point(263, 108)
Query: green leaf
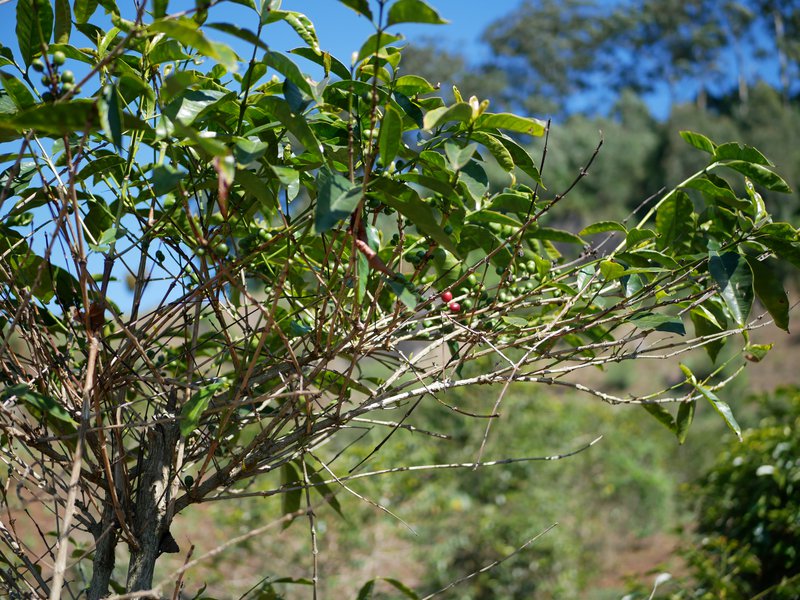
point(699, 141)
point(662, 415)
point(756, 352)
point(365, 593)
point(511, 202)
point(602, 227)
point(400, 587)
point(737, 151)
point(84, 9)
point(784, 240)
point(408, 203)
point(674, 219)
point(193, 410)
point(511, 122)
point(718, 190)
point(409, 85)
point(240, 32)
point(297, 125)
point(324, 490)
point(413, 11)
point(34, 27)
point(611, 270)
point(403, 293)
point(186, 32)
point(160, 8)
point(46, 404)
point(63, 22)
point(17, 91)
point(706, 324)
point(497, 149)
point(735, 280)
point(760, 174)
point(290, 501)
point(722, 408)
point(460, 111)
point(457, 156)
point(337, 198)
point(374, 43)
point(301, 24)
point(684, 420)
point(285, 66)
point(391, 135)
point(659, 322)
point(521, 158)
point(110, 112)
point(325, 60)
point(412, 110)
point(254, 186)
point(360, 6)
point(554, 235)
point(637, 236)
point(770, 291)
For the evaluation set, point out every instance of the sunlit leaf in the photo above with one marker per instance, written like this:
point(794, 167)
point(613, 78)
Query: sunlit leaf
point(735, 280)
point(413, 11)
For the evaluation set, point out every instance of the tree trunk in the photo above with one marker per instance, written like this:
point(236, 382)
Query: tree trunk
point(152, 511)
point(105, 537)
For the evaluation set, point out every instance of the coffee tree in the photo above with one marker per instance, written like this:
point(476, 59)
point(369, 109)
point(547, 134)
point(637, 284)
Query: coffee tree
point(303, 254)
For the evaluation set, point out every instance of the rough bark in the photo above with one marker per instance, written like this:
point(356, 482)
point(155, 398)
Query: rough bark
point(152, 517)
point(105, 537)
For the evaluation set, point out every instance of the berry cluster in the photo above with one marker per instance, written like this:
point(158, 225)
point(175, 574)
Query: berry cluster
point(58, 81)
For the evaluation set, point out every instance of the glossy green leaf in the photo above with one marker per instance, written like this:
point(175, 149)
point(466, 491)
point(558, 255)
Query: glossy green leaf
point(784, 240)
point(662, 415)
point(602, 227)
point(699, 141)
point(413, 84)
point(296, 125)
point(325, 60)
point(760, 175)
point(722, 408)
point(497, 149)
point(522, 159)
point(301, 24)
point(757, 352)
point(110, 112)
point(374, 43)
point(360, 6)
point(522, 204)
point(737, 151)
point(240, 32)
point(769, 290)
point(390, 138)
point(611, 270)
point(286, 67)
point(637, 236)
point(413, 11)
point(17, 91)
point(705, 325)
point(412, 110)
point(185, 31)
point(290, 500)
point(403, 293)
point(365, 593)
point(555, 235)
point(324, 490)
point(337, 198)
point(34, 27)
point(717, 189)
point(674, 220)
point(254, 187)
point(160, 8)
point(192, 411)
point(735, 280)
point(684, 420)
point(511, 122)
point(84, 9)
point(63, 22)
point(460, 112)
point(48, 405)
point(458, 156)
point(659, 322)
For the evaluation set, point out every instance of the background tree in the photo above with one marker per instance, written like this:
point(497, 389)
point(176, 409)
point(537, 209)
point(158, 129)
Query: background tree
point(303, 256)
